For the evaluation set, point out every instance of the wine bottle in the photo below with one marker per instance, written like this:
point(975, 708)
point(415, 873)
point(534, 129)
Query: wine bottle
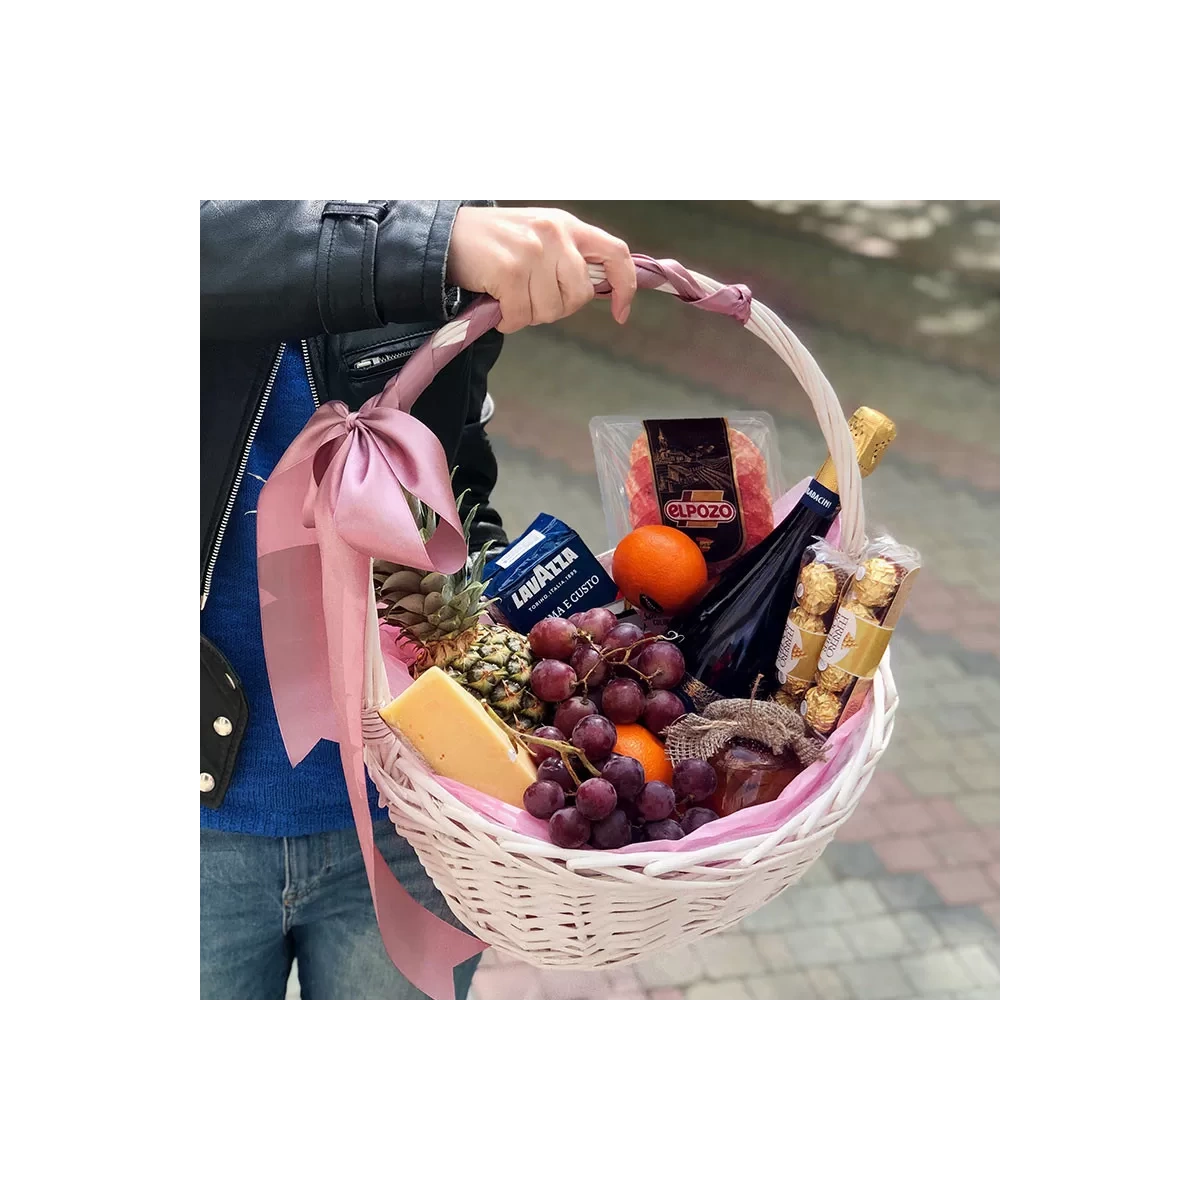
point(732, 636)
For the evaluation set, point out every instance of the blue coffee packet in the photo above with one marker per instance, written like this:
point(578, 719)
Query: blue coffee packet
point(547, 572)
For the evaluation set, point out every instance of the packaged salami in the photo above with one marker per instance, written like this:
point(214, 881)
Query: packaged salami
point(715, 478)
point(859, 634)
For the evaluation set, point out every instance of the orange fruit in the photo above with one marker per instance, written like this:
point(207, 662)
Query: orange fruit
point(638, 742)
point(659, 569)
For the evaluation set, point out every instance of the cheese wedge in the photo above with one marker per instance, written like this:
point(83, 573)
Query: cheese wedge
point(458, 739)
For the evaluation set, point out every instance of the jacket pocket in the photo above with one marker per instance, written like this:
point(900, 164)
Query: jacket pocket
point(381, 357)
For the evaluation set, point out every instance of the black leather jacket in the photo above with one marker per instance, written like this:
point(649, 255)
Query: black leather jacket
point(360, 285)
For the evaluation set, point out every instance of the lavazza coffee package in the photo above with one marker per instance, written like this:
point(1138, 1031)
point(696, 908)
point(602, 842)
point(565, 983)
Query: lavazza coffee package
point(547, 572)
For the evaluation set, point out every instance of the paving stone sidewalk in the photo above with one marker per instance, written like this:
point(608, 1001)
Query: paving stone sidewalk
point(905, 903)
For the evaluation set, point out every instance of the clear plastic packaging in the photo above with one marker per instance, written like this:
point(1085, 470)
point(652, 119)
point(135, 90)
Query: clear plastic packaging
point(715, 478)
point(824, 575)
point(859, 633)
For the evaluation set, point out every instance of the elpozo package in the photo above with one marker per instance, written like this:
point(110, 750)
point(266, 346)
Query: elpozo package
point(547, 572)
point(713, 478)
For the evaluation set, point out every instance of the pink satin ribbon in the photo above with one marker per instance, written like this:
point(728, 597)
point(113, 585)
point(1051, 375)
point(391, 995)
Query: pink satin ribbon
point(337, 499)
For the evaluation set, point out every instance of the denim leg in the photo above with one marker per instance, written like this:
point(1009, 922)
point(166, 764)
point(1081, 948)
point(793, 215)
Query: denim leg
point(244, 952)
point(339, 951)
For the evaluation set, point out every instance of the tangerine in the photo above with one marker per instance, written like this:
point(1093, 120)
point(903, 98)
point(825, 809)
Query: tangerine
point(659, 569)
point(638, 742)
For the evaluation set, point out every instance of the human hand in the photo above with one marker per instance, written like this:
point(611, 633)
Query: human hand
point(534, 262)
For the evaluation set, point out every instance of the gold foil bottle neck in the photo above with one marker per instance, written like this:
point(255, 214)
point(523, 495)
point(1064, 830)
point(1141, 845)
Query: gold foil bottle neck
point(873, 433)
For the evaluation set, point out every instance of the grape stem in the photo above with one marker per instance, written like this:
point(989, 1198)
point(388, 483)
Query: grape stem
point(622, 654)
point(565, 749)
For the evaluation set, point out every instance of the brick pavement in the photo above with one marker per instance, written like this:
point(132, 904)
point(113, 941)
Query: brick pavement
point(905, 904)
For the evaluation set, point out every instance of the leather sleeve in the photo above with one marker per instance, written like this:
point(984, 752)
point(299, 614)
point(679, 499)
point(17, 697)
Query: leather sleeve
point(279, 269)
point(475, 464)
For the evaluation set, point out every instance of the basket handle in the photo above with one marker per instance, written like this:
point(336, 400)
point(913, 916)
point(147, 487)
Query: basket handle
point(666, 275)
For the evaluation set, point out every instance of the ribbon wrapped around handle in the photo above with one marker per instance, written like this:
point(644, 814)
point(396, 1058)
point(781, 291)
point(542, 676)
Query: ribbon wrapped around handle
point(731, 300)
point(338, 497)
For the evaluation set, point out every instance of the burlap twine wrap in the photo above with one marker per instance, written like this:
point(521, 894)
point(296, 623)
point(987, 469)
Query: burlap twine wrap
point(763, 721)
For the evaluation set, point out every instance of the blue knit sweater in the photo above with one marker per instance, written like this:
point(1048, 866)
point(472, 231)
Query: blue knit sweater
point(266, 795)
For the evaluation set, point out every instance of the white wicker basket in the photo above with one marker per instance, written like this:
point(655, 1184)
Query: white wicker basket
point(588, 908)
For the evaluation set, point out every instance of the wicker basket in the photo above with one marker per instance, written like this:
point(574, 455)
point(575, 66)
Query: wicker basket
point(587, 908)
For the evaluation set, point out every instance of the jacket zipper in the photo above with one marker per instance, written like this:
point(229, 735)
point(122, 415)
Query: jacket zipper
point(237, 483)
point(370, 364)
point(312, 383)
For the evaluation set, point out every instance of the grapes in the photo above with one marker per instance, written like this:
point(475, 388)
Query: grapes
point(596, 798)
point(598, 622)
point(670, 831)
point(543, 799)
point(621, 636)
point(588, 664)
point(626, 775)
point(695, 817)
point(662, 664)
point(662, 709)
point(569, 713)
point(623, 701)
point(554, 770)
point(552, 680)
point(575, 618)
point(612, 832)
point(629, 808)
point(541, 753)
point(694, 780)
point(656, 801)
point(569, 828)
point(595, 736)
point(552, 637)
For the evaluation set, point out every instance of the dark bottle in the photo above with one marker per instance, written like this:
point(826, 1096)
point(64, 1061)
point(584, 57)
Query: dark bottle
point(732, 636)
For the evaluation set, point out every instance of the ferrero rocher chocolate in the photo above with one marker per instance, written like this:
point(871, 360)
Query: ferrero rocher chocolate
point(878, 582)
point(852, 651)
point(819, 582)
point(834, 679)
point(855, 609)
point(818, 587)
point(808, 621)
point(820, 709)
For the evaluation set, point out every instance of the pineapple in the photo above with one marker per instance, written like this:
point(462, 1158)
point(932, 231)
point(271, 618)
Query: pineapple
point(441, 614)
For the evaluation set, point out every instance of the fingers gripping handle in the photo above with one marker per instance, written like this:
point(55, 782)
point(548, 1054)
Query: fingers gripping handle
point(666, 275)
point(483, 314)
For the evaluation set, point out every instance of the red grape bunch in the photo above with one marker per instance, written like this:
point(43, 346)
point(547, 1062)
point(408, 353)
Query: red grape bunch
point(599, 673)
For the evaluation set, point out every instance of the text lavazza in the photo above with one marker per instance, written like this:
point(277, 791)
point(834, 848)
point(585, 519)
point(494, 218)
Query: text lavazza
point(543, 573)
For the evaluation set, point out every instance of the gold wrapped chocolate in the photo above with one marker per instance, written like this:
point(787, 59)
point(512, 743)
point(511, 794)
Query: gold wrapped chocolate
point(856, 609)
point(807, 621)
point(835, 680)
point(791, 696)
point(820, 709)
point(878, 583)
point(818, 588)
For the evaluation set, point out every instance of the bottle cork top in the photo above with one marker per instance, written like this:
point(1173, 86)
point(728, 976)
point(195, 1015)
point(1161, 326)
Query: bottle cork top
point(873, 433)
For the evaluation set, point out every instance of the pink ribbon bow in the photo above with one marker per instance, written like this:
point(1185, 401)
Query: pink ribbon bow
point(336, 500)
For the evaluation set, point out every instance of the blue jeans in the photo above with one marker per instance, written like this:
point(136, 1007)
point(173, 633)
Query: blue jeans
point(266, 901)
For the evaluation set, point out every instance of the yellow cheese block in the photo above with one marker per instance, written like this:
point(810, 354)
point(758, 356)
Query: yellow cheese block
point(458, 739)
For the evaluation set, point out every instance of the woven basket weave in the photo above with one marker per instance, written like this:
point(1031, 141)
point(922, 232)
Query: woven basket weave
point(587, 908)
